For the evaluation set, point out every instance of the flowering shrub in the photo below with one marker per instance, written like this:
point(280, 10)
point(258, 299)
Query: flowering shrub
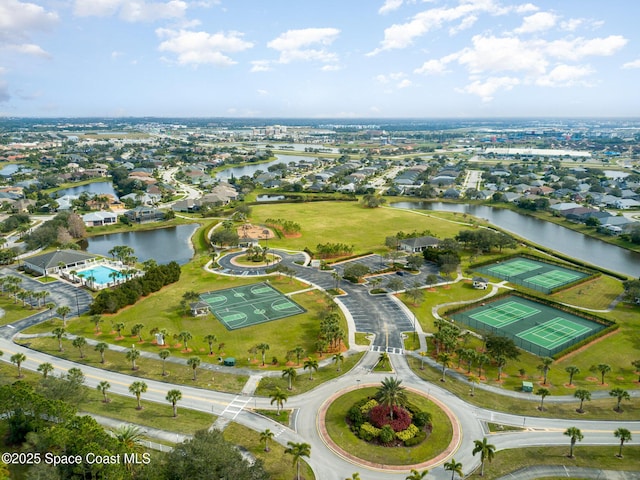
point(410, 432)
point(366, 408)
point(368, 432)
point(380, 417)
point(387, 434)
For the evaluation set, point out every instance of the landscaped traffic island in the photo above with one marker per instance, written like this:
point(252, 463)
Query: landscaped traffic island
point(358, 424)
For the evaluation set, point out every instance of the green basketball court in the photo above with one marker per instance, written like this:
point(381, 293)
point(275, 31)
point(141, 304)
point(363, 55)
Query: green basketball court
point(248, 305)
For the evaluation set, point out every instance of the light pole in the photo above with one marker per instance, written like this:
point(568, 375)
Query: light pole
point(77, 304)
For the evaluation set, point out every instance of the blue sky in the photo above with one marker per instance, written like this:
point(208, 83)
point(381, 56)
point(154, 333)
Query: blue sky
point(312, 58)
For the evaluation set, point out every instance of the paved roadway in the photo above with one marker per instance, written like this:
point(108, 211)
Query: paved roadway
point(380, 314)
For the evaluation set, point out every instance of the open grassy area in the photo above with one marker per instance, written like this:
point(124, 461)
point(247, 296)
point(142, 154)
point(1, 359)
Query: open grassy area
point(596, 294)
point(349, 223)
point(340, 433)
point(600, 409)
point(507, 461)
point(162, 310)
point(276, 462)
point(14, 311)
point(147, 368)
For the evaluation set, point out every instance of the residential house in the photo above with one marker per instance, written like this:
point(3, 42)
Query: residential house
point(98, 219)
point(144, 214)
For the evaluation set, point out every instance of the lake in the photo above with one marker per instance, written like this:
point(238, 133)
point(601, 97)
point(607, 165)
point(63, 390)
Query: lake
point(163, 244)
point(96, 188)
point(547, 234)
point(249, 170)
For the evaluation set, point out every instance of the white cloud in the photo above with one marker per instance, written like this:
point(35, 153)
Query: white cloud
point(404, 83)
point(403, 35)
point(578, 48)
point(486, 89)
point(537, 22)
point(331, 68)
point(260, 66)
point(201, 47)
point(566, 76)
point(293, 45)
point(389, 6)
point(391, 77)
point(632, 64)
point(465, 24)
point(572, 24)
point(502, 54)
point(19, 21)
point(263, 92)
point(131, 10)
point(432, 67)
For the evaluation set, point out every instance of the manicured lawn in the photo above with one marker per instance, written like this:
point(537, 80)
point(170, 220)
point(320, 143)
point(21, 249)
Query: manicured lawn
point(594, 409)
point(302, 384)
point(162, 310)
point(349, 223)
point(276, 462)
point(597, 294)
point(147, 368)
point(13, 311)
point(340, 433)
point(507, 461)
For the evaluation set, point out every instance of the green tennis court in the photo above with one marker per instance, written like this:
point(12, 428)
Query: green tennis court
point(504, 314)
point(535, 274)
point(249, 305)
point(538, 328)
point(554, 332)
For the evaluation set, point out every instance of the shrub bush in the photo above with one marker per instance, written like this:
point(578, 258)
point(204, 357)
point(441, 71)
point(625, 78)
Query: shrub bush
point(366, 408)
point(368, 432)
point(419, 438)
point(387, 435)
point(421, 419)
point(356, 417)
point(379, 417)
point(408, 434)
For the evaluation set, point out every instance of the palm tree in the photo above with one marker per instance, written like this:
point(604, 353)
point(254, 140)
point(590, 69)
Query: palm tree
point(416, 475)
point(80, 343)
point(265, 436)
point(383, 359)
point(263, 347)
point(391, 393)
point(445, 359)
point(482, 359)
point(59, 333)
point(138, 388)
point(501, 361)
point(603, 369)
point(298, 351)
point(298, 451)
point(184, 337)
point(101, 347)
point(63, 311)
point(194, 363)
point(210, 339)
point(102, 387)
point(137, 330)
point(576, 436)
point(338, 359)
point(620, 394)
point(173, 396)
point(96, 320)
point(291, 374)
point(582, 395)
point(543, 392)
point(132, 355)
point(473, 380)
point(624, 435)
point(544, 367)
point(164, 354)
point(279, 398)
point(354, 476)
point(45, 368)
point(311, 364)
point(453, 467)
point(486, 451)
point(18, 359)
point(130, 437)
point(118, 328)
point(572, 370)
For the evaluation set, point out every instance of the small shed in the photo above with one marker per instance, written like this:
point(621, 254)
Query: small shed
point(199, 308)
point(480, 283)
point(527, 387)
point(229, 362)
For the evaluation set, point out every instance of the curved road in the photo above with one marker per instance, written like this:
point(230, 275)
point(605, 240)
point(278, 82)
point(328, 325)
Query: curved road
point(380, 314)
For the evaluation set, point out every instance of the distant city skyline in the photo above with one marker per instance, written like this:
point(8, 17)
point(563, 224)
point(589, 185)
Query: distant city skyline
point(319, 59)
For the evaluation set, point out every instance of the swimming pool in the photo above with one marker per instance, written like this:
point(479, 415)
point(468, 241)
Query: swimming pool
point(101, 274)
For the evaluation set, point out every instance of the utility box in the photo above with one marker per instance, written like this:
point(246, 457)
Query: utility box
point(229, 362)
point(527, 387)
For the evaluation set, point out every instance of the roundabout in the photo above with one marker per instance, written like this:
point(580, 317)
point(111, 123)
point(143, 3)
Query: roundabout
point(444, 438)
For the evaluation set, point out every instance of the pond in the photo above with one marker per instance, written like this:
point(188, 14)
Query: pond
point(249, 170)
point(547, 234)
point(163, 244)
point(96, 188)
